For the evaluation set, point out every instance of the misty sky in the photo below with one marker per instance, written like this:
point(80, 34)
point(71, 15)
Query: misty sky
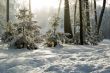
point(100, 2)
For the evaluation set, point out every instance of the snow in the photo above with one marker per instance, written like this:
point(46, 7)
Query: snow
point(105, 42)
point(66, 59)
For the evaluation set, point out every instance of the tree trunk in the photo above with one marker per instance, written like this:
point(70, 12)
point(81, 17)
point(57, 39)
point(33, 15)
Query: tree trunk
point(67, 22)
point(96, 21)
point(59, 8)
point(88, 27)
point(81, 22)
point(75, 8)
point(87, 15)
point(7, 14)
point(101, 15)
point(30, 10)
point(95, 11)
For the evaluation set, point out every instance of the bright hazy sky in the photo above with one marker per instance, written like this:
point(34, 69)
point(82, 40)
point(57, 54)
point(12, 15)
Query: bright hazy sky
point(44, 4)
point(100, 2)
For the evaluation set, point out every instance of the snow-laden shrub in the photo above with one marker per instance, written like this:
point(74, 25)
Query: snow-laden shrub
point(25, 33)
point(7, 37)
point(89, 38)
point(8, 34)
point(76, 38)
point(29, 30)
point(53, 39)
point(24, 42)
point(93, 38)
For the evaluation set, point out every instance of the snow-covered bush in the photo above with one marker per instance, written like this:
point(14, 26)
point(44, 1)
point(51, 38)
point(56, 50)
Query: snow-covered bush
point(6, 37)
point(28, 30)
point(54, 38)
point(76, 38)
point(8, 34)
point(24, 42)
point(51, 36)
point(50, 39)
point(94, 39)
point(91, 39)
point(23, 34)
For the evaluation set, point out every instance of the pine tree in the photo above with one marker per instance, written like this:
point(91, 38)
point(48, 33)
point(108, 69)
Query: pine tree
point(27, 30)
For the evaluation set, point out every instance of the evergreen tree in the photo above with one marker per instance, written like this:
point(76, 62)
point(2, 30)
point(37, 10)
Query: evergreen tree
point(28, 31)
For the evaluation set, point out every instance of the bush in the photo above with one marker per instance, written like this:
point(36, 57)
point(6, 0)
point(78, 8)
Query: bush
point(51, 42)
point(22, 42)
point(7, 37)
point(23, 34)
point(52, 39)
point(32, 46)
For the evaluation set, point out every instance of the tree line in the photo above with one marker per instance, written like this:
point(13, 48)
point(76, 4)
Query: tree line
point(82, 7)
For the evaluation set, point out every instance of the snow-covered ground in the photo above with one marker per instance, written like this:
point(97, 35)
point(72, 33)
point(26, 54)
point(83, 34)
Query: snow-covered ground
point(67, 59)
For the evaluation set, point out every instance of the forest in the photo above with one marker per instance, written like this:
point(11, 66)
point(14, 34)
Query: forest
point(54, 36)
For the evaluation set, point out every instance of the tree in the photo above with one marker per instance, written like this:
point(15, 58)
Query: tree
point(56, 18)
point(23, 34)
point(95, 11)
point(87, 15)
point(81, 22)
point(87, 18)
point(75, 9)
point(7, 35)
point(67, 22)
point(30, 10)
point(7, 14)
point(101, 15)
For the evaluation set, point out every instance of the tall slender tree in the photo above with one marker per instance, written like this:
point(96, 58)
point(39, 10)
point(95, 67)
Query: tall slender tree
point(7, 11)
point(67, 21)
point(101, 15)
point(75, 9)
point(55, 24)
point(81, 22)
point(96, 18)
point(87, 15)
point(59, 8)
point(30, 18)
point(95, 11)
